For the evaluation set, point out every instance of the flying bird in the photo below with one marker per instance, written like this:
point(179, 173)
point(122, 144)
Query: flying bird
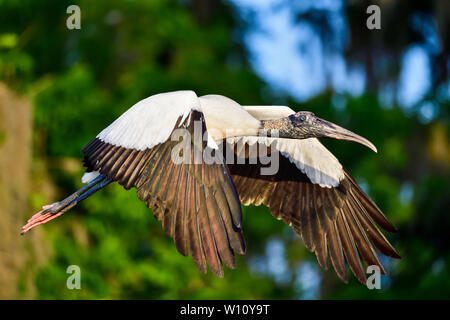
point(158, 146)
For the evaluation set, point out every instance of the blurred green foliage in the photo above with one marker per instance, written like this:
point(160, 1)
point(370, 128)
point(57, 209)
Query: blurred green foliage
point(81, 80)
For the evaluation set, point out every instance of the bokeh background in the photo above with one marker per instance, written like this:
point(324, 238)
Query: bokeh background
point(60, 87)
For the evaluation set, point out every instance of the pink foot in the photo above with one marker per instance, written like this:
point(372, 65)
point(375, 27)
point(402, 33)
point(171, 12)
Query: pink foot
point(40, 218)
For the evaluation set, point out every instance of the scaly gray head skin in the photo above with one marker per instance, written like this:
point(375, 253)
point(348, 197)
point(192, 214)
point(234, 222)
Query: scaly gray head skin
point(304, 124)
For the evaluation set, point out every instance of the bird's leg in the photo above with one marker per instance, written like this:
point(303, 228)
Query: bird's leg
point(52, 211)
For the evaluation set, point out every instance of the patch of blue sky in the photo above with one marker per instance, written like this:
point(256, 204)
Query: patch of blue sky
point(273, 263)
point(308, 281)
point(415, 76)
point(291, 57)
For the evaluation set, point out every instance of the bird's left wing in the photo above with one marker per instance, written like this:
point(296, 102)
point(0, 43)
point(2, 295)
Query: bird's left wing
point(196, 203)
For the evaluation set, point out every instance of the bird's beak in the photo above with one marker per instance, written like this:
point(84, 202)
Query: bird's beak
point(331, 130)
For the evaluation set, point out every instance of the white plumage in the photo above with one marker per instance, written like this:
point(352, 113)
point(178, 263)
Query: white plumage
point(226, 118)
point(152, 120)
point(89, 176)
point(308, 155)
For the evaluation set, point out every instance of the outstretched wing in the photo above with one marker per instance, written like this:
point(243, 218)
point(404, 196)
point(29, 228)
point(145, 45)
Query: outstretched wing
point(313, 194)
point(196, 203)
point(338, 220)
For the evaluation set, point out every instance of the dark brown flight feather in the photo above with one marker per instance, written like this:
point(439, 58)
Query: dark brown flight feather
point(197, 204)
point(333, 222)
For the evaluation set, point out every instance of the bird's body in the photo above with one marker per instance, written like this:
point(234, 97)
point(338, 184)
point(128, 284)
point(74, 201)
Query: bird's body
point(198, 199)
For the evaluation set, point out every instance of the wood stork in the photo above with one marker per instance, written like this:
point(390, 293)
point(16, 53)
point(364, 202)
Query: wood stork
point(199, 204)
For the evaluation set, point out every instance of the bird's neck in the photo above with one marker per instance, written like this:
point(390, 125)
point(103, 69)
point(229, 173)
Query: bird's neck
point(281, 128)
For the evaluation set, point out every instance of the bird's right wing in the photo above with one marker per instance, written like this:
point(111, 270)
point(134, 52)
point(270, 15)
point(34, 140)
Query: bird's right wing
point(336, 222)
point(196, 203)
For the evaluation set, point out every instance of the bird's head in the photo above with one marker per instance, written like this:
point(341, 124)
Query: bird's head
point(304, 124)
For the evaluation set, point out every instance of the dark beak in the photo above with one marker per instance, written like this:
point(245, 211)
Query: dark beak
point(331, 130)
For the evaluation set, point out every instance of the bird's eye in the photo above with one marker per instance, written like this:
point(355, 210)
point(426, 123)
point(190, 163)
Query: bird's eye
point(302, 118)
